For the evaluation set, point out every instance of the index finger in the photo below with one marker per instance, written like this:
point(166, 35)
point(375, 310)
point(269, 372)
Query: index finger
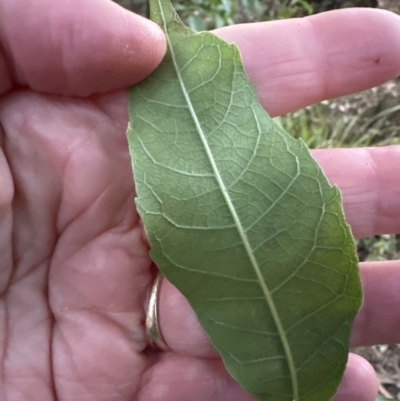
point(75, 47)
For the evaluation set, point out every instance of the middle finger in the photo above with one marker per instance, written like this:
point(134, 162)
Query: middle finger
point(370, 192)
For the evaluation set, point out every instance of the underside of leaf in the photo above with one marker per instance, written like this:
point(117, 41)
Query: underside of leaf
point(242, 220)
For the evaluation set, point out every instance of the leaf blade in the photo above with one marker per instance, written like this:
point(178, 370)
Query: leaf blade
point(216, 180)
point(232, 210)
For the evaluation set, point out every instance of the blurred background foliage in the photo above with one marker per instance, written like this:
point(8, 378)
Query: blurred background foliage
point(370, 118)
point(209, 14)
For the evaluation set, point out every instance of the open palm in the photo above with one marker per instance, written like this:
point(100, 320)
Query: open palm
point(75, 272)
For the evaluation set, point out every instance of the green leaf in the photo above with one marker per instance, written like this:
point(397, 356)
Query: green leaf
point(242, 220)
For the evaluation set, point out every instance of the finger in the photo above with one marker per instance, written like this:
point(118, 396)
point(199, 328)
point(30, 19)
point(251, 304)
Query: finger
point(179, 325)
point(298, 62)
point(179, 378)
point(378, 321)
point(359, 381)
point(75, 47)
point(368, 179)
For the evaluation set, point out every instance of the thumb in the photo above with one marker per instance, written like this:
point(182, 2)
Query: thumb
point(75, 47)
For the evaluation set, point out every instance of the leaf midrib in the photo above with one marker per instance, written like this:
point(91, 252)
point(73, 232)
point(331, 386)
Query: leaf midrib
point(238, 224)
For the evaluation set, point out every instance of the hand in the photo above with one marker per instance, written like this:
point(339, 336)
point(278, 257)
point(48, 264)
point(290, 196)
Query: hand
point(75, 271)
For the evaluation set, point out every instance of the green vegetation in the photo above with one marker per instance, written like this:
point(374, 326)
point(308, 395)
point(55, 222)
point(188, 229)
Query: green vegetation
point(204, 15)
point(380, 247)
point(321, 127)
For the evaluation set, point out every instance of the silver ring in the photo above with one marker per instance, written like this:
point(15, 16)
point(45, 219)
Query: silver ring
point(153, 330)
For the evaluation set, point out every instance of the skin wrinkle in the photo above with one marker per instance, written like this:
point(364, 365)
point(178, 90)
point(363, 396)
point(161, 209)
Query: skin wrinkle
point(138, 316)
point(310, 65)
point(87, 210)
point(6, 58)
point(60, 51)
point(20, 261)
point(26, 275)
point(117, 115)
point(76, 34)
point(105, 230)
point(70, 167)
point(321, 68)
point(63, 227)
point(374, 171)
point(101, 369)
point(370, 176)
point(384, 207)
point(147, 374)
point(6, 222)
point(5, 75)
point(11, 59)
point(51, 340)
point(56, 56)
point(4, 336)
point(16, 280)
point(36, 329)
point(7, 194)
